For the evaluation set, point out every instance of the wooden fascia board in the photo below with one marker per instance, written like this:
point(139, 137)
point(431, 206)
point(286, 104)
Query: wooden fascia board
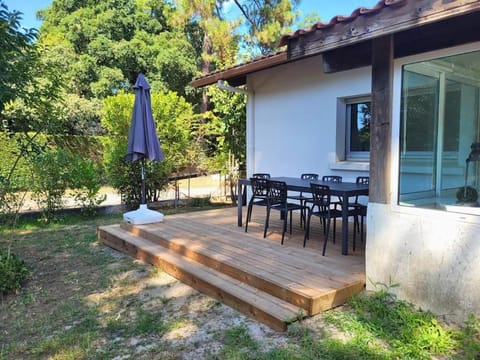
point(241, 70)
point(413, 13)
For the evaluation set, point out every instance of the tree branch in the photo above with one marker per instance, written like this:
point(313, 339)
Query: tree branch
point(245, 14)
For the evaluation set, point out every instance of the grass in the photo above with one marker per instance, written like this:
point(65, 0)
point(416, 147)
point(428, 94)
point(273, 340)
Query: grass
point(84, 301)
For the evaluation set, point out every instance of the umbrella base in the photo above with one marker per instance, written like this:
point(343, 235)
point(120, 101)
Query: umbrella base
point(142, 215)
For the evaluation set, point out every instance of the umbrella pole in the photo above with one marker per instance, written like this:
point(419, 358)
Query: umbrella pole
point(144, 198)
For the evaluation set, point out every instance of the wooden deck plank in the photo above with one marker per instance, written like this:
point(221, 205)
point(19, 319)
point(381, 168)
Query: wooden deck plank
point(299, 273)
point(307, 263)
point(244, 272)
point(282, 257)
point(256, 261)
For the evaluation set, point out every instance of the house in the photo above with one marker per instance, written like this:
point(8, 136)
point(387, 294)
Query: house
point(392, 92)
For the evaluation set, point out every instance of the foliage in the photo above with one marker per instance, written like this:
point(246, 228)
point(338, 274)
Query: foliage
point(409, 333)
point(37, 107)
point(86, 181)
point(17, 55)
point(11, 201)
point(469, 339)
point(13, 272)
point(228, 134)
point(112, 42)
point(11, 155)
point(175, 125)
point(267, 21)
point(230, 110)
point(51, 174)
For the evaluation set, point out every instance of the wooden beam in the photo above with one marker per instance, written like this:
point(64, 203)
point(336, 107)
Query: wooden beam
point(347, 58)
point(381, 126)
point(390, 19)
point(440, 35)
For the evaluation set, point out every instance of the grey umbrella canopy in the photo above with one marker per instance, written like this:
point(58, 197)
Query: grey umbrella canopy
point(143, 140)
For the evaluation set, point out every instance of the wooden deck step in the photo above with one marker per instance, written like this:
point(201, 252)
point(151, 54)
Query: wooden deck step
point(312, 286)
point(234, 264)
point(249, 300)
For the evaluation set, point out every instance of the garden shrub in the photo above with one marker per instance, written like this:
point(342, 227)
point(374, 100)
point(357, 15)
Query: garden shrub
point(51, 171)
point(85, 180)
point(13, 272)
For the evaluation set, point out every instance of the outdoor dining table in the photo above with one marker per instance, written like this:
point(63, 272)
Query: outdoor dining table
point(344, 190)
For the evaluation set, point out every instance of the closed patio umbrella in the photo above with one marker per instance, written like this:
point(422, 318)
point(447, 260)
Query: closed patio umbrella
point(143, 144)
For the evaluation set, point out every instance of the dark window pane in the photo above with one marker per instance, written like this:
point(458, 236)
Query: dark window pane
point(359, 126)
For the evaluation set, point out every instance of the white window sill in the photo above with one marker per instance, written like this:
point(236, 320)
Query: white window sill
point(350, 165)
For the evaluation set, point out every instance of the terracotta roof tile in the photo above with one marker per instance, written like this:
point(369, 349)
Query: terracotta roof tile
point(361, 11)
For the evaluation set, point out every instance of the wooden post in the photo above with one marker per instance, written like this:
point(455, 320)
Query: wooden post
point(381, 121)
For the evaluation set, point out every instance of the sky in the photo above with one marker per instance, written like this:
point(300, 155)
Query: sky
point(326, 9)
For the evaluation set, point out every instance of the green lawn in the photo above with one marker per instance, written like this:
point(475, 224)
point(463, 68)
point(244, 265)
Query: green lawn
point(86, 301)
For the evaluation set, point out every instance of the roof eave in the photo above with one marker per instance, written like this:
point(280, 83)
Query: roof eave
point(240, 71)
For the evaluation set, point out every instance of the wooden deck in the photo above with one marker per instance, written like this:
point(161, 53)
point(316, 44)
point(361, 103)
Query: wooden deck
point(275, 284)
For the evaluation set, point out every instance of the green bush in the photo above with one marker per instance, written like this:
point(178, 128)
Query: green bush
point(51, 171)
point(13, 154)
point(85, 180)
point(13, 272)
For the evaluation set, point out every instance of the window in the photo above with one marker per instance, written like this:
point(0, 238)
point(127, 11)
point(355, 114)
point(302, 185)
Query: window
point(357, 142)
point(439, 122)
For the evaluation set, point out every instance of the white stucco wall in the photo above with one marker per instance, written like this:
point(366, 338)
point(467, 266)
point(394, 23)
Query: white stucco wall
point(432, 255)
point(291, 118)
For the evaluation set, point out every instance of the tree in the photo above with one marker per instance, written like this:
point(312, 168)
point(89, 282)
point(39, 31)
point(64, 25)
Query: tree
point(267, 21)
point(218, 45)
point(17, 55)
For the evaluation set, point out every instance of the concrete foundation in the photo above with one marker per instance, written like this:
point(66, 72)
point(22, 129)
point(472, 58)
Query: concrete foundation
point(432, 255)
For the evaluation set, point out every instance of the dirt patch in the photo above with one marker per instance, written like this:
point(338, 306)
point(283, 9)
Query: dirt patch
point(88, 298)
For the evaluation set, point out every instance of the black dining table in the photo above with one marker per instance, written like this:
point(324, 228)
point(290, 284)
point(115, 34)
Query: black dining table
point(344, 190)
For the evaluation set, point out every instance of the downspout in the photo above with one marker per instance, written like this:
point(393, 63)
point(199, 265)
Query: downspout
point(250, 166)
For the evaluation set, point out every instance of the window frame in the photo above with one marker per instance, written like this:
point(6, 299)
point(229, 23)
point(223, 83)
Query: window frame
point(466, 214)
point(344, 129)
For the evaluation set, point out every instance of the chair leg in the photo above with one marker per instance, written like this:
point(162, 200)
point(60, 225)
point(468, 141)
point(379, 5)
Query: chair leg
point(303, 213)
point(266, 222)
point(285, 216)
point(327, 230)
point(249, 214)
point(361, 228)
point(334, 227)
point(354, 234)
point(307, 227)
point(290, 221)
point(357, 224)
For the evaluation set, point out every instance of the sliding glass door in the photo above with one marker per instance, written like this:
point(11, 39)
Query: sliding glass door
point(439, 122)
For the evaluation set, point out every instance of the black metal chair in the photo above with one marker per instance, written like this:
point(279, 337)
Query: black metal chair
point(359, 210)
point(259, 196)
point(301, 198)
point(277, 200)
point(334, 179)
point(321, 207)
